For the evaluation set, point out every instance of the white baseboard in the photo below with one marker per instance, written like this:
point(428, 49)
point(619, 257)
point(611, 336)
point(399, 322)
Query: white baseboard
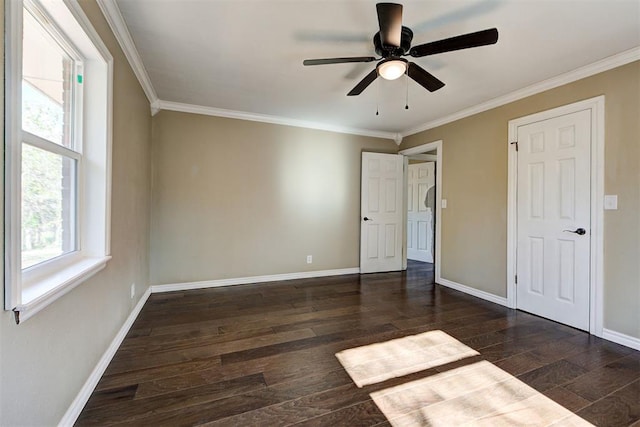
point(607, 334)
point(253, 279)
point(81, 399)
point(618, 338)
point(472, 291)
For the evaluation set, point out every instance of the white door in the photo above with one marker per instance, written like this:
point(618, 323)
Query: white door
point(420, 178)
point(553, 210)
point(381, 213)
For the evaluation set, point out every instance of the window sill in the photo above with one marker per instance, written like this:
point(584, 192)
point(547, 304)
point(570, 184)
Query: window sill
point(40, 293)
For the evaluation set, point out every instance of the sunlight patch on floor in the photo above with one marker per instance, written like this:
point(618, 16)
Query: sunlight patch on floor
point(476, 394)
point(479, 394)
point(379, 362)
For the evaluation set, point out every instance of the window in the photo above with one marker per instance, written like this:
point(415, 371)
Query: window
point(51, 87)
point(57, 144)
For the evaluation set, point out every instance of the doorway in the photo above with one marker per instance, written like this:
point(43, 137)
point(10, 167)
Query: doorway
point(420, 225)
point(422, 204)
point(556, 188)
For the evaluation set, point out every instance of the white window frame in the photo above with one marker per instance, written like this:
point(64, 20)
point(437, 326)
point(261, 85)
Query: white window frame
point(74, 152)
point(29, 291)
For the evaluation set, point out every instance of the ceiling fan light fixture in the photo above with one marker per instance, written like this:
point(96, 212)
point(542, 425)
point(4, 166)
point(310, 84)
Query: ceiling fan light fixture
point(393, 68)
point(393, 41)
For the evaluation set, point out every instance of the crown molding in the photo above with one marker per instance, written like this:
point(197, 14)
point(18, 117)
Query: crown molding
point(264, 118)
point(608, 63)
point(155, 107)
point(114, 18)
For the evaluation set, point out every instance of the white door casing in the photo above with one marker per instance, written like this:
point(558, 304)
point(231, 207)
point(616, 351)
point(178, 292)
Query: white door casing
point(420, 178)
point(553, 202)
point(381, 220)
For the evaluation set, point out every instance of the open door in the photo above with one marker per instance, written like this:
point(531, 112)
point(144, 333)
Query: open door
point(381, 213)
point(420, 208)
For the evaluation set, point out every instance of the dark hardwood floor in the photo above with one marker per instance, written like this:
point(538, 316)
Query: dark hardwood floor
point(265, 354)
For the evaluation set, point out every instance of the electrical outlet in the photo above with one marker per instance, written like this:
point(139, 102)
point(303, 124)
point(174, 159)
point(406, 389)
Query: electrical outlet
point(133, 290)
point(309, 259)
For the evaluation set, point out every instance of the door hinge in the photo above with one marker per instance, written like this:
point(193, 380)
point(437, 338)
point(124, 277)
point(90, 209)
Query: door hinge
point(516, 143)
point(516, 279)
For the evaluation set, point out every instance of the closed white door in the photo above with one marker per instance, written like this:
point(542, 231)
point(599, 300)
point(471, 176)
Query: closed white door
point(553, 248)
point(420, 179)
point(381, 213)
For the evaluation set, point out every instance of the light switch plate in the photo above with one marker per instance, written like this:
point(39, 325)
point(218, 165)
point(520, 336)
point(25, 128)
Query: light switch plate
point(444, 203)
point(611, 202)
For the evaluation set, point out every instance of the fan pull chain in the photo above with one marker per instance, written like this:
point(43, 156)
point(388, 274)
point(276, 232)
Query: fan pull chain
point(378, 98)
point(406, 105)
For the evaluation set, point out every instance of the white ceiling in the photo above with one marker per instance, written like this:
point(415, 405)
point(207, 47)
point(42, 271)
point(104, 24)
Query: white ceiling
point(246, 55)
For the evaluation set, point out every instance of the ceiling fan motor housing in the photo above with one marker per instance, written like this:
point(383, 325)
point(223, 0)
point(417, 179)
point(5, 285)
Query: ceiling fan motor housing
point(386, 51)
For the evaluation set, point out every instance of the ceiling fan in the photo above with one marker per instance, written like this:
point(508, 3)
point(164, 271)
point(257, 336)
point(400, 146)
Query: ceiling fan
point(393, 41)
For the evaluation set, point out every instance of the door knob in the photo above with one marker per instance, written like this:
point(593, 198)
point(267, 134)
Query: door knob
point(578, 231)
point(367, 219)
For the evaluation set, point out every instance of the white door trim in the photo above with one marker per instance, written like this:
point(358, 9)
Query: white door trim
point(424, 148)
point(596, 107)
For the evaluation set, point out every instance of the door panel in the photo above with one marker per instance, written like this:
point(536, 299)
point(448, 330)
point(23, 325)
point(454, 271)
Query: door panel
point(381, 204)
point(553, 263)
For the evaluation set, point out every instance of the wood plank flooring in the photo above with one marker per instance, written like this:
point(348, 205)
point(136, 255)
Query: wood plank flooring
point(264, 354)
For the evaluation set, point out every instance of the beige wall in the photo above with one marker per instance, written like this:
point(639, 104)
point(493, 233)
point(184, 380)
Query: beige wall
point(46, 360)
point(235, 198)
point(475, 186)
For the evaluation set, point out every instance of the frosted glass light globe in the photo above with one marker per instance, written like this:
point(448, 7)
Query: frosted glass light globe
point(391, 70)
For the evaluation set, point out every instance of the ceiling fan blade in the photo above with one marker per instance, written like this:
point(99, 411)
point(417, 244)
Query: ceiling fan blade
point(368, 79)
point(464, 41)
point(424, 78)
point(390, 21)
point(338, 60)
